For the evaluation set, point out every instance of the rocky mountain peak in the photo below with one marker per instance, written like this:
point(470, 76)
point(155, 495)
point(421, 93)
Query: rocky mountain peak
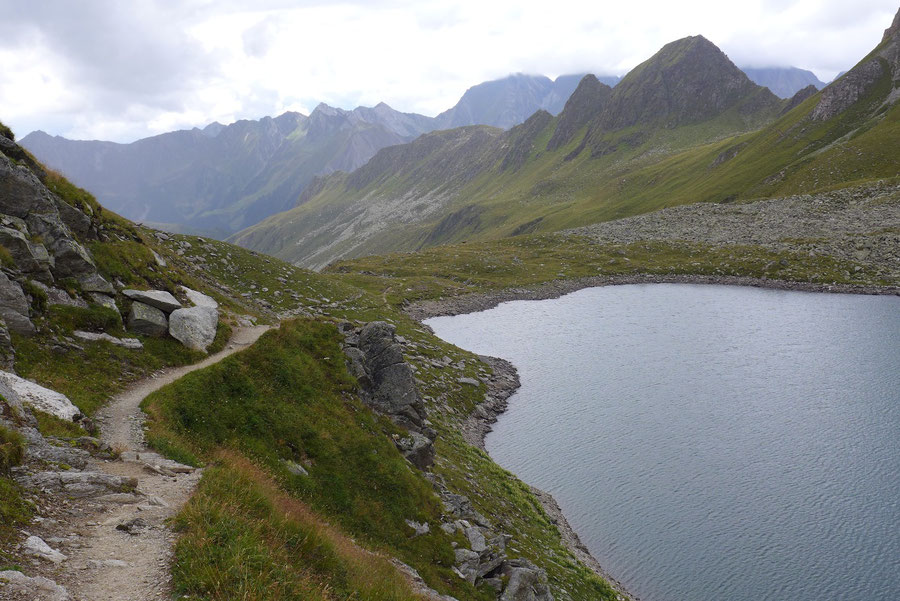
point(585, 103)
point(687, 81)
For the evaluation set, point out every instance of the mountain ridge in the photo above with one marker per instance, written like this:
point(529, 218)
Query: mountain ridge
point(739, 142)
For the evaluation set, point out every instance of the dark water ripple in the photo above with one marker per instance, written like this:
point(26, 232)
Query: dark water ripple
point(710, 442)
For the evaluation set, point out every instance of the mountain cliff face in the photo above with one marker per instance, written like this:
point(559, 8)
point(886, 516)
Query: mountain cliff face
point(685, 126)
point(784, 82)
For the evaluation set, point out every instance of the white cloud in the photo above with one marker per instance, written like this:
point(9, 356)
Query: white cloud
point(107, 69)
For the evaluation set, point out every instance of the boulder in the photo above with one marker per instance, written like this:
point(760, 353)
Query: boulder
point(526, 582)
point(71, 259)
point(36, 547)
point(198, 299)
point(148, 320)
point(417, 449)
point(14, 307)
point(160, 299)
point(194, 327)
point(104, 301)
point(35, 395)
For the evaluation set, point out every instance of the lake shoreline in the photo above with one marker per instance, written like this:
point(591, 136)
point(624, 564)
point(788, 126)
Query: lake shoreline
point(482, 301)
point(505, 379)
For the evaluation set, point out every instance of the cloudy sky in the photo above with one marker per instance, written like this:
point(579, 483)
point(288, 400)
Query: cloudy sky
point(125, 69)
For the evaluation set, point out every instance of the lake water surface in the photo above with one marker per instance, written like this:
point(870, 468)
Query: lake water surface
point(710, 442)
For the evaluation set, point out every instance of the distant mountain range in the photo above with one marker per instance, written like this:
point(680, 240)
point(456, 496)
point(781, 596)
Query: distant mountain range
point(784, 82)
point(685, 126)
point(223, 178)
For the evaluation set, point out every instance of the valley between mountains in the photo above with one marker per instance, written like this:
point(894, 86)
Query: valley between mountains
point(267, 418)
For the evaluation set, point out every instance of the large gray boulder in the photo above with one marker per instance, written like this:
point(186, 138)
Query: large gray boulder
point(38, 397)
point(148, 320)
point(526, 582)
point(14, 307)
point(160, 299)
point(194, 327)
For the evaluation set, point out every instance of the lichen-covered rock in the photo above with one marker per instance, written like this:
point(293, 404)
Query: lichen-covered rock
point(14, 307)
point(194, 327)
point(160, 299)
point(148, 320)
point(94, 282)
point(35, 395)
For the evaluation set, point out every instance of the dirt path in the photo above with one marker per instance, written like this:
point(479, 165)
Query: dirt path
point(124, 547)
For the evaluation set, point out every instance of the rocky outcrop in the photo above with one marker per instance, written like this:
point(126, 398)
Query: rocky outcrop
point(194, 327)
point(147, 320)
point(842, 94)
point(14, 307)
point(588, 100)
point(160, 299)
point(34, 395)
point(375, 358)
point(526, 582)
point(856, 84)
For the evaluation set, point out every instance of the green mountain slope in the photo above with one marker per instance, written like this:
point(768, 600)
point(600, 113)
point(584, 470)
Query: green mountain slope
point(648, 144)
